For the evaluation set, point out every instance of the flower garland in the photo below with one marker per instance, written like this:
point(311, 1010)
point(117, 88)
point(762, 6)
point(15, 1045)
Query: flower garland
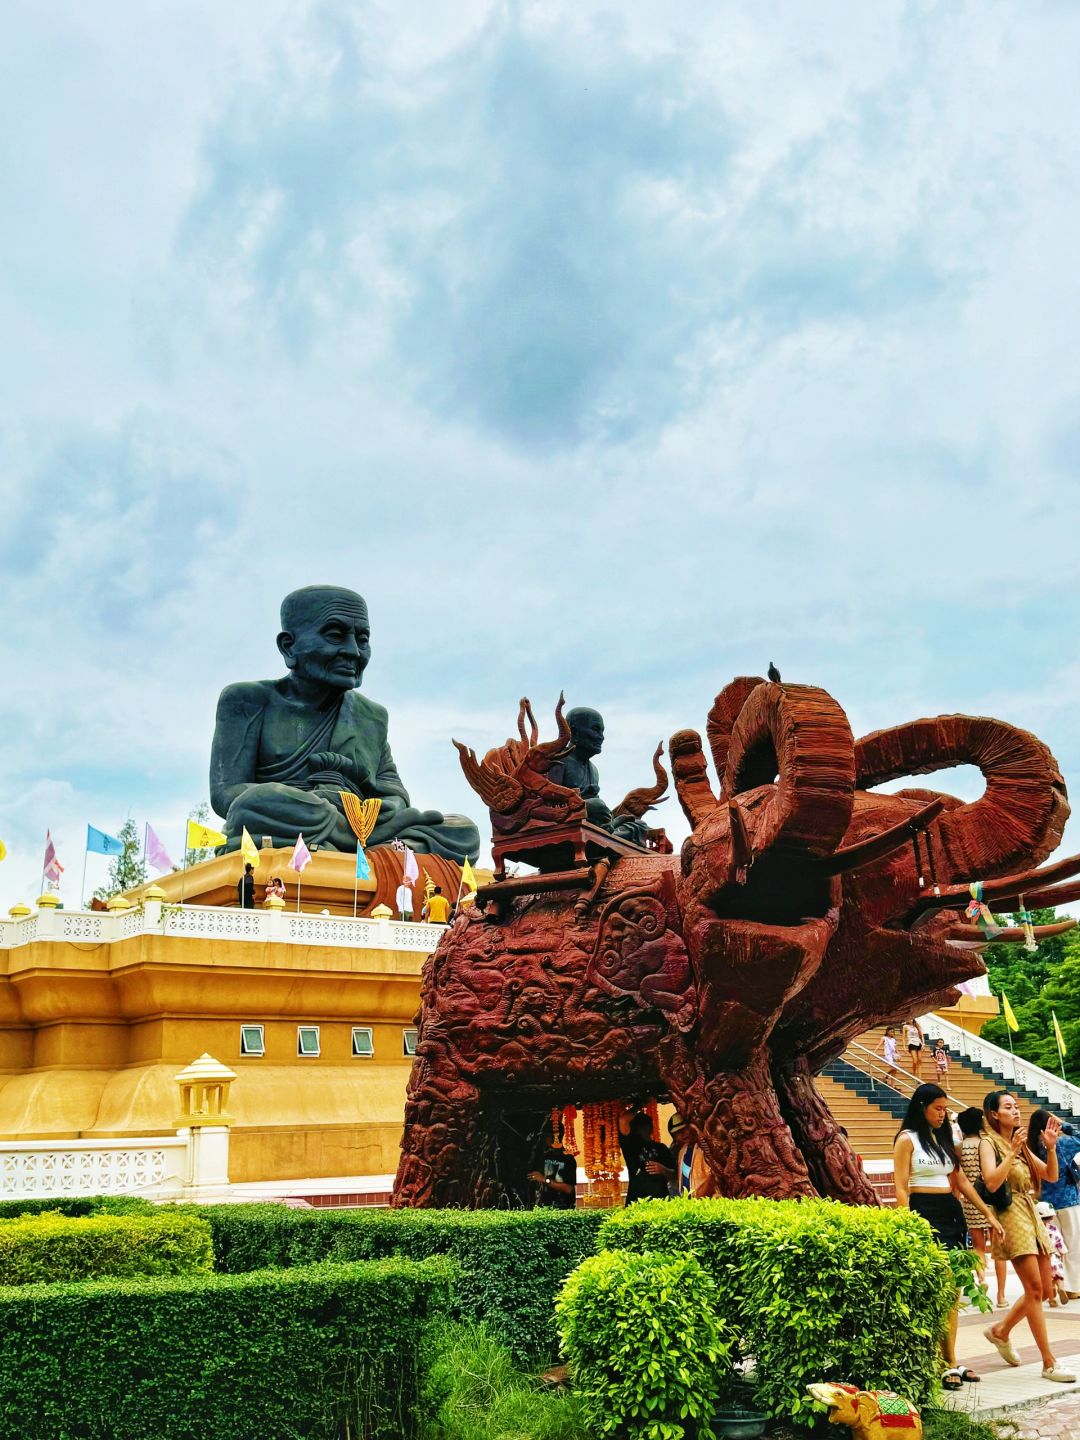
point(602, 1154)
point(562, 1127)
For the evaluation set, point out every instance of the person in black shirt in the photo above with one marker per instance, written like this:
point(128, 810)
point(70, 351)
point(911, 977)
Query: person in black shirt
point(557, 1178)
point(649, 1164)
point(245, 888)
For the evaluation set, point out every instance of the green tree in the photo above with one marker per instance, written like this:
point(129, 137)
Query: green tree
point(1037, 982)
point(127, 870)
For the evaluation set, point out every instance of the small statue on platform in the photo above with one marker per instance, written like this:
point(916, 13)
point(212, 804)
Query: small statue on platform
point(577, 772)
point(285, 750)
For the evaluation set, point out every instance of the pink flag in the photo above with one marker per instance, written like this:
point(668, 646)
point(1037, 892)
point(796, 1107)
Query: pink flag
point(301, 856)
point(52, 867)
point(412, 870)
point(156, 854)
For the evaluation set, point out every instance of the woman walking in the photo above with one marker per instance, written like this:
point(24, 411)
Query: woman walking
point(971, 1124)
point(913, 1038)
point(928, 1180)
point(1064, 1195)
point(1006, 1159)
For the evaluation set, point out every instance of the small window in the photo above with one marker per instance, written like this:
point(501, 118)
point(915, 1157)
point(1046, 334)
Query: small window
point(252, 1040)
point(307, 1040)
point(362, 1043)
point(408, 1042)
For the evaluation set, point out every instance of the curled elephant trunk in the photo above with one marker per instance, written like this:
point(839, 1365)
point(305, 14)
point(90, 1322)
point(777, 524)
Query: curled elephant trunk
point(1020, 816)
point(799, 736)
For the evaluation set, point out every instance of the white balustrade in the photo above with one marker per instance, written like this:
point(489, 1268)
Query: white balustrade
point(1040, 1082)
point(210, 922)
point(156, 1167)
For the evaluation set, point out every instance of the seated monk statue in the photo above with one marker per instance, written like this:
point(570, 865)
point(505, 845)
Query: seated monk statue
point(284, 749)
point(577, 771)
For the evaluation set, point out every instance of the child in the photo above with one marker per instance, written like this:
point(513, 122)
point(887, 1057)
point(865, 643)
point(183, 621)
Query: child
point(888, 1049)
point(1057, 1254)
point(941, 1060)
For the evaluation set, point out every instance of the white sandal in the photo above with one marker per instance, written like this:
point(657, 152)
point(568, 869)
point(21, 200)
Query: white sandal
point(1004, 1348)
point(1056, 1372)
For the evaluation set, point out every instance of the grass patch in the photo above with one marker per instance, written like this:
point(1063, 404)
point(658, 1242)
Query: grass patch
point(473, 1390)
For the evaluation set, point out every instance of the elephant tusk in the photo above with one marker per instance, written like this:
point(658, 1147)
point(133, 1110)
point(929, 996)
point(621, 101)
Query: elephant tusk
point(956, 897)
point(865, 852)
point(963, 934)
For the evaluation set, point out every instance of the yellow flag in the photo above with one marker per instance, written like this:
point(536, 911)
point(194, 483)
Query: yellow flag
point(1058, 1035)
point(248, 848)
point(201, 837)
point(467, 876)
point(1010, 1019)
point(3, 850)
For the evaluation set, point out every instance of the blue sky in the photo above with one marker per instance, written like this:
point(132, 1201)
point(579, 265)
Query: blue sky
point(614, 348)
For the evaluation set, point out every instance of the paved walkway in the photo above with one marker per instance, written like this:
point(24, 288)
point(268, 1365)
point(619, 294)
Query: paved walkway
point(1004, 1387)
point(1055, 1420)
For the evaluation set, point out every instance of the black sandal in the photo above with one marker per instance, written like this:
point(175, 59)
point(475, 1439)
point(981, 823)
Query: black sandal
point(952, 1379)
point(968, 1375)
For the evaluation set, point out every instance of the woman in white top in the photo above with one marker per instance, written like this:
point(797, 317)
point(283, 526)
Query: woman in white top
point(913, 1039)
point(929, 1181)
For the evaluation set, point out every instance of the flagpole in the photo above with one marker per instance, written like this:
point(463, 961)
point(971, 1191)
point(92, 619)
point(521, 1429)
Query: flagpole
point(1058, 1042)
point(355, 882)
point(42, 890)
point(82, 887)
point(183, 868)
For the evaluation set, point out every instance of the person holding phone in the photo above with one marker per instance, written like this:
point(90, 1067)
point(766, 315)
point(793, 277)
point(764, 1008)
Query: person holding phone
point(1006, 1159)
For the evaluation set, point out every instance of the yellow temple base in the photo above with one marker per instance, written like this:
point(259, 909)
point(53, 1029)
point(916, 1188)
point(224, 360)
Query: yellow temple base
point(99, 1011)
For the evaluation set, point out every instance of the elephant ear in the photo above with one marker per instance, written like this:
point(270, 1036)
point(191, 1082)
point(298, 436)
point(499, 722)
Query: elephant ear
point(867, 1408)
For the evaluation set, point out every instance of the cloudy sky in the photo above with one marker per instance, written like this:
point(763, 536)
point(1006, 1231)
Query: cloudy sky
point(620, 348)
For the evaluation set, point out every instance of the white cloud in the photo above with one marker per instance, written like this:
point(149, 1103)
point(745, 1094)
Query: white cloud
point(615, 350)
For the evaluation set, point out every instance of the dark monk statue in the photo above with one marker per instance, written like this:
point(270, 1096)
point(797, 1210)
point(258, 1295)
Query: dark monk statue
point(577, 772)
point(284, 749)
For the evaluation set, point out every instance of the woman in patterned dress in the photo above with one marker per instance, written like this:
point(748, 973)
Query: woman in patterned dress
point(1004, 1157)
point(971, 1126)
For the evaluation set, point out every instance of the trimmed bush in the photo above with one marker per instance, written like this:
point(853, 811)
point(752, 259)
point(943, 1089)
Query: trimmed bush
point(44, 1248)
point(471, 1389)
point(511, 1263)
point(79, 1205)
point(322, 1352)
point(645, 1345)
point(814, 1290)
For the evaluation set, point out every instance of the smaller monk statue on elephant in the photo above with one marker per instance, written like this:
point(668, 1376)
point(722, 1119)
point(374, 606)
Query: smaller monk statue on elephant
point(577, 772)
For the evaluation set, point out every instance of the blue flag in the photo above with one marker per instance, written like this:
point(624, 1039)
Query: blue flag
point(98, 843)
point(363, 869)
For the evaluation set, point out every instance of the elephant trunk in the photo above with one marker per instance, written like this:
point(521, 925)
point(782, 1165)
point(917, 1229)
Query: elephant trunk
point(1020, 816)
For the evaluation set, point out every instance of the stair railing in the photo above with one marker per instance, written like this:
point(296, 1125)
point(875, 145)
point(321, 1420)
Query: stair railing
point(869, 1063)
point(1051, 1088)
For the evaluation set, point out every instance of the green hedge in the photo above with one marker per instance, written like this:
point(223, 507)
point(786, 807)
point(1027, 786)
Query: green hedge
point(511, 1263)
point(646, 1345)
point(44, 1248)
point(79, 1205)
point(813, 1289)
point(321, 1352)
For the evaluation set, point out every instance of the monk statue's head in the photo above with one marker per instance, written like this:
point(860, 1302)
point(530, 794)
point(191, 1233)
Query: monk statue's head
point(587, 730)
point(325, 636)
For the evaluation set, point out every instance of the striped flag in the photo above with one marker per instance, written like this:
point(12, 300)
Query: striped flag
point(301, 855)
point(52, 867)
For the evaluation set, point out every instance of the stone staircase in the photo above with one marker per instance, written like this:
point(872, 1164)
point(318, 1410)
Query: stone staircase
point(853, 1086)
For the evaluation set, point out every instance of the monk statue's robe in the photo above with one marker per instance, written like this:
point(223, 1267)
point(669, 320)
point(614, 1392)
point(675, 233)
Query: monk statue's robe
point(267, 773)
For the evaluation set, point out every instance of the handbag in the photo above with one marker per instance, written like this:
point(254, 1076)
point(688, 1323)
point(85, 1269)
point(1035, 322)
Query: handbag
point(999, 1199)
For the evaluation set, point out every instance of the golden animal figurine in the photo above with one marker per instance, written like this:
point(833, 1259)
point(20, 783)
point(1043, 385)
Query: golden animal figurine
point(872, 1414)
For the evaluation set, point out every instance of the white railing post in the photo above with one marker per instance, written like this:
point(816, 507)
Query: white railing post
point(1051, 1088)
